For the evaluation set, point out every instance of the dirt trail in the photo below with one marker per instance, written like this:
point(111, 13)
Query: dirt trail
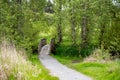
point(58, 69)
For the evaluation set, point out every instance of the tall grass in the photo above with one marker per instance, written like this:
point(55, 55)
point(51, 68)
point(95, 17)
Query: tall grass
point(15, 66)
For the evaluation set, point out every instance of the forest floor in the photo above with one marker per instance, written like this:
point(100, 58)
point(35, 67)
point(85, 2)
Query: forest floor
point(57, 69)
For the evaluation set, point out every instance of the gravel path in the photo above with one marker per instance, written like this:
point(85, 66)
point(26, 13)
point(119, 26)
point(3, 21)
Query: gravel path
point(58, 69)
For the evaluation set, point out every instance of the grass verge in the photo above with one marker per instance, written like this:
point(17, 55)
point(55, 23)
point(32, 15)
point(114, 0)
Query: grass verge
point(96, 70)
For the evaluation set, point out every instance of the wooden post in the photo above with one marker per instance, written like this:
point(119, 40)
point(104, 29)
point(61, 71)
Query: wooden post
point(41, 44)
point(52, 45)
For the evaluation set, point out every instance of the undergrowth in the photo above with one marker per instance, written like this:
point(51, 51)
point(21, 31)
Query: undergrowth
point(14, 65)
point(66, 49)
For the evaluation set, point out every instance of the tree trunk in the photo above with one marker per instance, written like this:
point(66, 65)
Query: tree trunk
point(19, 17)
point(59, 31)
point(59, 23)
point(19, 1)
point(84, 33)
point(102, 31)
point(73, 23)
point(84, 29)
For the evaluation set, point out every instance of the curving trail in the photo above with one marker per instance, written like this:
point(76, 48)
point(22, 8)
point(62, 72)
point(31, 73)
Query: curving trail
point(58, 69)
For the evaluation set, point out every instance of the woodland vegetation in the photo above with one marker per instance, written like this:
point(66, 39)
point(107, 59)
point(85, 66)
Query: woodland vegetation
point(80, 27)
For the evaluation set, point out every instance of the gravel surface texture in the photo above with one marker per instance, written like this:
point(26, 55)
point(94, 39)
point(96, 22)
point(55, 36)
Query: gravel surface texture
point(57, 69)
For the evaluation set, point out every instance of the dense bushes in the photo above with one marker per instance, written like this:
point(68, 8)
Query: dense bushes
point(16, 25)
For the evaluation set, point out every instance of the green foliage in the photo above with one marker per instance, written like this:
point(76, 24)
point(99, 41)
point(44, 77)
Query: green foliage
point(25, 24)
point(16, 23)
point(66, 49)
point(86, 52)
point(113, 39)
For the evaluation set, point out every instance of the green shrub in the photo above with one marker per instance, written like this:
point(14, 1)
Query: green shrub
point(66, 49)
